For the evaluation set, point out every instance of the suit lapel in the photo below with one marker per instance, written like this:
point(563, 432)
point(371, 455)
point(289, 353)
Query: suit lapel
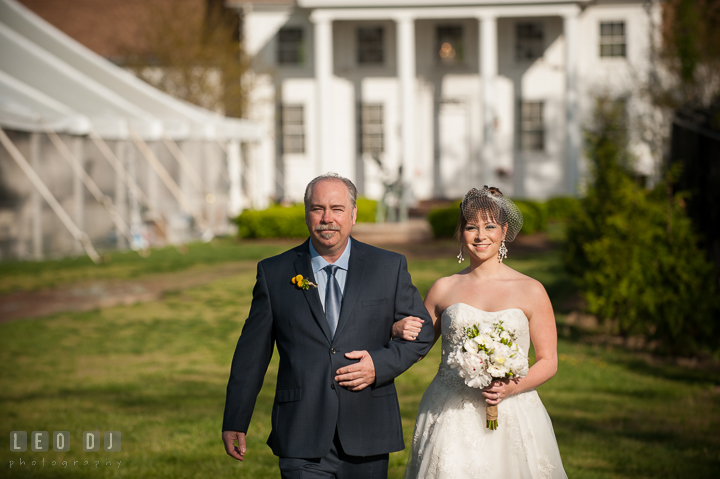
point(304, 267)
point(353, 283)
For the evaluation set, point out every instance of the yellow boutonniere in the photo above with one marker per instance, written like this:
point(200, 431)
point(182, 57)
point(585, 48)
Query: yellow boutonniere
point(302, 283)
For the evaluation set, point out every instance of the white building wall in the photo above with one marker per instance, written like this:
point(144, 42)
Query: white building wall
point(448, 126)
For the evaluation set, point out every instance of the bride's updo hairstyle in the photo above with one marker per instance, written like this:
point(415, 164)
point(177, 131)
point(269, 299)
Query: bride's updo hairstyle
point(490, 205)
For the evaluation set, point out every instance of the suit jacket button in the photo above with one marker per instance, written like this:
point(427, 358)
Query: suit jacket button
point(332, 386)
point(332, 350)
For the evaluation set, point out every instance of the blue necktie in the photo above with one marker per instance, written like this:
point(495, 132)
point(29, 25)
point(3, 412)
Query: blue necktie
point(333, 298)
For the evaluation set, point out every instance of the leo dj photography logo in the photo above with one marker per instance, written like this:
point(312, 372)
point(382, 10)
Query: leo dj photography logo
point(40, 442)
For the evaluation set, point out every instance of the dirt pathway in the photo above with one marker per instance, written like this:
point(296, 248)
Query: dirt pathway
point(105, 293)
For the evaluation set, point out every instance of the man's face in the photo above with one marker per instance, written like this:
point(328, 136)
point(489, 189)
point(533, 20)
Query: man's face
point(330, 216)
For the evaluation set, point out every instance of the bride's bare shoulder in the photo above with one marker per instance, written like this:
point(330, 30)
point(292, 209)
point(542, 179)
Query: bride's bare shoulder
point(445, 283)
point(441, 288)
point(526, 283)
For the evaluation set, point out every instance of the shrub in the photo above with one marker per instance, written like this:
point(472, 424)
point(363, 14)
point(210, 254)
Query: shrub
point(534, 216)
point(560, 208)
point(289, 221)
point(274, 222)
point(366, 209)
point(635, 255)
point(443, 221)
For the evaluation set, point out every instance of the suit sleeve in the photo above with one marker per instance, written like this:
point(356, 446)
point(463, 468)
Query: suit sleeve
point(398, 355)
point(250, 362)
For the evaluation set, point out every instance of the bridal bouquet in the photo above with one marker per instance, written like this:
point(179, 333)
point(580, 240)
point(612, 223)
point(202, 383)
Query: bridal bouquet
point(489, 351)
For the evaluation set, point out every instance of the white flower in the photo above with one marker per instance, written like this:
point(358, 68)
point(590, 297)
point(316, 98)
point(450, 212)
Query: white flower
point(476, 366)
point(497, 371)
point(474, 362)
point(484, 340)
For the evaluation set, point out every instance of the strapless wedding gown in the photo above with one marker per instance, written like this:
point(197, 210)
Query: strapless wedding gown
point(451, 440)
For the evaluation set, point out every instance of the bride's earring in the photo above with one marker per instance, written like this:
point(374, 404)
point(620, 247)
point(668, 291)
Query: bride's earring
point(502, 252)
point(460, 255)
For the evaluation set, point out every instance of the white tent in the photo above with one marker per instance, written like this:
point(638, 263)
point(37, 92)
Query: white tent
point(25, 109)
point(181, 120)
point(107, 110)
point(51, 84)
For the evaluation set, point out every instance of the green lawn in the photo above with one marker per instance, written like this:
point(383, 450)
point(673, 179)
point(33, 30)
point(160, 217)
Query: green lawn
point(157, 371)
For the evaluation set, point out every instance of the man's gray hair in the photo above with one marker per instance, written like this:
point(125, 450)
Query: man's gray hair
point(335, 177)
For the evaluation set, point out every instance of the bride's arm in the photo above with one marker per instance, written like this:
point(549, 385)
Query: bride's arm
point(434, 307)
point(544, 338)
point(408, 328)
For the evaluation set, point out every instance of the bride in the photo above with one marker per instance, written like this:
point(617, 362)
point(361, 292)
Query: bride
point(451, 439)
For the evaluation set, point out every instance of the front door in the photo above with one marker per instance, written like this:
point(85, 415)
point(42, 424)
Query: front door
point(453, 175)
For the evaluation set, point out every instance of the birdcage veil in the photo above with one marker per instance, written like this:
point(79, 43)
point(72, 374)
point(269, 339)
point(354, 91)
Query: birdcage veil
point(489, 204)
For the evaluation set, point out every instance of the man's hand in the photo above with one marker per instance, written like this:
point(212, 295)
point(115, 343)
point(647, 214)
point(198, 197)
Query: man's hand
point(358, 376)
point(238, 452)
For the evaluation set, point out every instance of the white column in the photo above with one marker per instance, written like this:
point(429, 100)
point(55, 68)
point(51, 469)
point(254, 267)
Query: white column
point(36, 200)
point(572, 144)
point(78, 191)
point(488, 72)
point(323, 91)
point(406, 77)
point(234, 159)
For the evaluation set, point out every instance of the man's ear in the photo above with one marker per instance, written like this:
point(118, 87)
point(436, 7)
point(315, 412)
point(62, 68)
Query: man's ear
point(354, 215)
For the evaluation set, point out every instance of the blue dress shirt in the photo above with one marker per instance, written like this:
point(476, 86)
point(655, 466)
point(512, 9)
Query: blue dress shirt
point(318, 263)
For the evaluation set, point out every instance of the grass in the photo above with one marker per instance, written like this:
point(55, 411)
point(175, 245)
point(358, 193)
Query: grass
point(157, 372)
point(28, 276)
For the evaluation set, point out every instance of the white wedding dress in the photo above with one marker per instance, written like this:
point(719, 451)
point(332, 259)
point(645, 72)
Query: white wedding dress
point(451, 440)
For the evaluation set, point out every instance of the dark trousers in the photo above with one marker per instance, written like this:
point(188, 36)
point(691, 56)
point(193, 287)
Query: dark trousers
point(336, 465)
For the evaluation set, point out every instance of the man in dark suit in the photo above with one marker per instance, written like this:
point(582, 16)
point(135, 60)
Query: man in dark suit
point(336, 412)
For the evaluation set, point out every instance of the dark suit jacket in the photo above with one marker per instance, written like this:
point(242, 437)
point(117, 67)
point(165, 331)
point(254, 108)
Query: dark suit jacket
point(309, 405)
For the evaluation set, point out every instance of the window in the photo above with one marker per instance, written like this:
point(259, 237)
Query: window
point(529, 41)
point(612, 39)
point(372, 139)
point(370, 45)
point(450, 45)
point(293, 129)
point(291, 46)
point(532, 126)
point(613, 113)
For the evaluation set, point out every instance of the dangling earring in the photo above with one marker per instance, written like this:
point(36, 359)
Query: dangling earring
point(502, 252)
point(460, 255)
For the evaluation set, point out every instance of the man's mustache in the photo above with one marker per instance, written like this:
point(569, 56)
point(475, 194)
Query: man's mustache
point(327, 228)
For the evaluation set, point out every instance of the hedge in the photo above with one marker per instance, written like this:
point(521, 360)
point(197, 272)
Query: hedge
point(536, 215)
point(443, 221)
point(289, 221)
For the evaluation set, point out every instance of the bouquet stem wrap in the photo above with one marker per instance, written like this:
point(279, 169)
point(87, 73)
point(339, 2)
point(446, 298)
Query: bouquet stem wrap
point(491, 415)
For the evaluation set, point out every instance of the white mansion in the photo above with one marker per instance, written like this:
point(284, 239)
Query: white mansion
point(459, 93)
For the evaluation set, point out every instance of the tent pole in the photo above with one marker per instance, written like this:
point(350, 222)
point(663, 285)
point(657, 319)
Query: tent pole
point(77, 186)
point(185, 165)
point(234, 166)
point(169, 182)
point(120, 195)
point(48, 196)
point(36, 200)
point(225, 146)
point(126, 177)
point(80, 173)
